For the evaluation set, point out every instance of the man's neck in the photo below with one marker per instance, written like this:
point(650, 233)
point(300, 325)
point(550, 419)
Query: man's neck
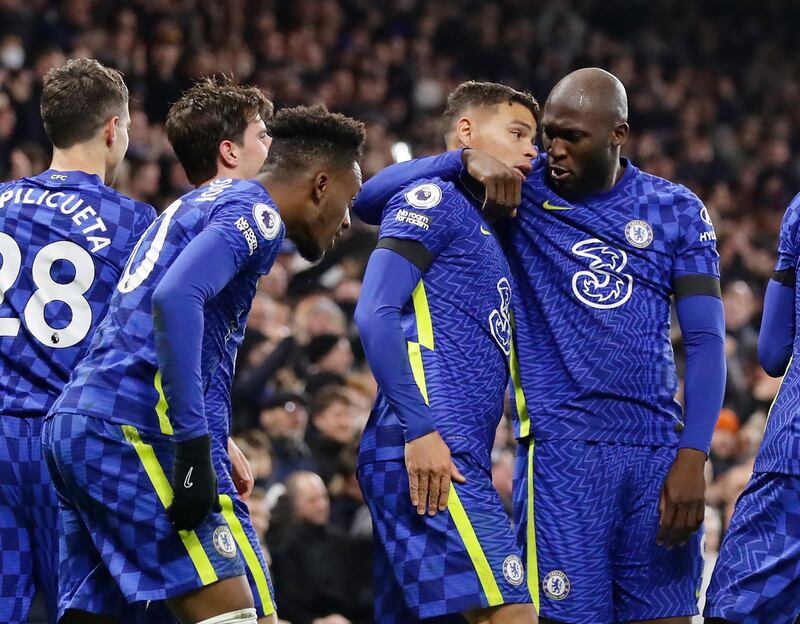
point(285, 197)
point(79, 158)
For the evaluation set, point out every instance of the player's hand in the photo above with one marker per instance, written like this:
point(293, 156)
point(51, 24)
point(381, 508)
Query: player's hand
point(194, 484)
point(503, 184)
point(683, 498)
point(430, 470)
point(241, 473)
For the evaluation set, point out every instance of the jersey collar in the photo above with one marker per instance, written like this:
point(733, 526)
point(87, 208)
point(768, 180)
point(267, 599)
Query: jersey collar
point(68, 178)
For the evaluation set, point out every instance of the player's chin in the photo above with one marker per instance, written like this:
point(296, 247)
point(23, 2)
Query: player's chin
point(309, 250)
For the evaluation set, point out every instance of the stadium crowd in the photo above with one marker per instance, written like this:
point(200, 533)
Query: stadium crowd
point(713, 105)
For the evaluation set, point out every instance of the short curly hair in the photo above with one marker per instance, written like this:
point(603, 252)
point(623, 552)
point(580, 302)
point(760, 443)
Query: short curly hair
point(78, 98)
point(215, 109)
point(473, 93)
point(303, 135)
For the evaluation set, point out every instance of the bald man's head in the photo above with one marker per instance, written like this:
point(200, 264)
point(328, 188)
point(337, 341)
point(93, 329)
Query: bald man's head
point(592, 90)
point(584, 125)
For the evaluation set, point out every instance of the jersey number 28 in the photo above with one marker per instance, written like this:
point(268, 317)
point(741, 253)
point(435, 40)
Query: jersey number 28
point(48, 290)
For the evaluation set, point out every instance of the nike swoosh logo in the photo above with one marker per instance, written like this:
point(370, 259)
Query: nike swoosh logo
point(548, 206)
point(187, 482)
point(485, 231)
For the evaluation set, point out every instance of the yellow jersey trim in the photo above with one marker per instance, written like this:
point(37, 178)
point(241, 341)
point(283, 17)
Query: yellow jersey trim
point(516, 381)
point(161, 407)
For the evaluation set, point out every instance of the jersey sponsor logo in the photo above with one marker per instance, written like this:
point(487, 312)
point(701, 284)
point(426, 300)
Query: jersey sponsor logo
point(708, 236)
point(267, 220)
point(603, 285)
point(548, 206)
point(706, 218)
point(556, 585)
point(500, 319)
point(639, 233)
point(485, 231)
point(243, 225)
point(413, 218)
point(223, 542)
point(424, 196)
point(513, 570)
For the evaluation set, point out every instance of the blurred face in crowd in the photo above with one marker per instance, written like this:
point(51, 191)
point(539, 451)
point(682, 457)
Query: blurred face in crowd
point(339, 359)
point(506, 131)
point(259, 514)
point(739, 305)
point(285, 422)
point(337, 422)
point(311, 503)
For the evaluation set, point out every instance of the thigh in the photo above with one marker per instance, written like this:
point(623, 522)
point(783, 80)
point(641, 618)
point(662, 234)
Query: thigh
point(576, 513)
point(116, 480)
point(459, 560)
point(16, 554)
point(650, 581)
point(757, 576)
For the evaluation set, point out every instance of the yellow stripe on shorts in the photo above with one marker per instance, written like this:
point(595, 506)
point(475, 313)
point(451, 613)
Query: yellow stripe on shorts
point(530, 548)
point(164, 491)
point(250, 556)
point(474, 549)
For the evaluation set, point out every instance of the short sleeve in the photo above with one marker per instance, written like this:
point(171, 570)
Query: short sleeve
point(427, 213)
point(787, 243)
point(696, 251)
point(253, 229)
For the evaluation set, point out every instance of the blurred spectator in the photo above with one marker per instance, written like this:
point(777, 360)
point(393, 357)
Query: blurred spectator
point(284, 418)
point(724, 442)
point(311, 584)
point(332, 429)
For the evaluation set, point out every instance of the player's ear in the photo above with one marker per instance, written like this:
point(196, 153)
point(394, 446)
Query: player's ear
point(620, 134)
point(464, 131)
point(110, 130)
point(228, 153)
point(320, 187)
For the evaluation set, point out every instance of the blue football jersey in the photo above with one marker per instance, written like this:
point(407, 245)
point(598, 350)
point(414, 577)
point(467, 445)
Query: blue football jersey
point(456, 324)
point(780, 449)
point(591, 309)
point(218, 394)
point(119, 380)
point(64, 240)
